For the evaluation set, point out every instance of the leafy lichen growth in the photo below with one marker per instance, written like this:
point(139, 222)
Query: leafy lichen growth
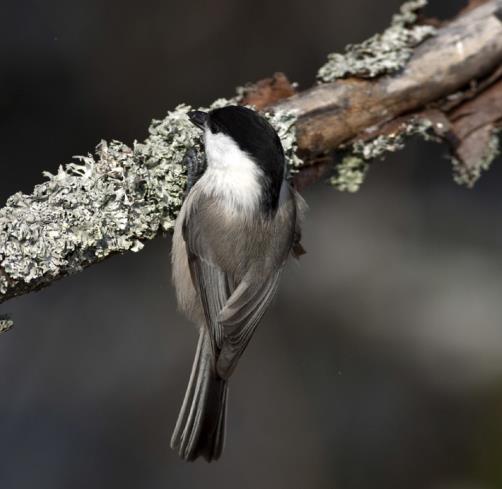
point(6, 323)
point(383, 53)
point(468, 175)
point(350, 174)
point(101, 204)
point(284, 123)
point(351, 171)
point(105, 203)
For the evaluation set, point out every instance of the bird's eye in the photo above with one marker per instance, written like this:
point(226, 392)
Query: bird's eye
point(214, 127)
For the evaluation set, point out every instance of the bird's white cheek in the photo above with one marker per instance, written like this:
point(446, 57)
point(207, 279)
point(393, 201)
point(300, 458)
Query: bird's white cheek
point(231, 174)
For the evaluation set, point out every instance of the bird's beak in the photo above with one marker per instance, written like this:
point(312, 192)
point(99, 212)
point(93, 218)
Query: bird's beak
point(198, 118)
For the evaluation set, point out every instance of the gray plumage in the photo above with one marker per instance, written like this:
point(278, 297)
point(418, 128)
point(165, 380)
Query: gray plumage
point(227, 258)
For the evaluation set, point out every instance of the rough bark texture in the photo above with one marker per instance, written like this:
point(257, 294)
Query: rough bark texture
point(461, 52)
point(448, 86)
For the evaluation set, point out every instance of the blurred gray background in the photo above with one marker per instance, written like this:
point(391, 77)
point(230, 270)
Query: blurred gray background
point(379, 366)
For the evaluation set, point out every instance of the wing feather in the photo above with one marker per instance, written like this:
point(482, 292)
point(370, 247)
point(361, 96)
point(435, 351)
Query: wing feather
point(239, 319)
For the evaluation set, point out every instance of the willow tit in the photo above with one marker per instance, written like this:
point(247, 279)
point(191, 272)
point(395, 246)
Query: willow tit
point(235, 230)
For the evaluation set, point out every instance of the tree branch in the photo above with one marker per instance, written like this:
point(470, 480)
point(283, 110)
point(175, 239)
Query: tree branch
point(444, 83)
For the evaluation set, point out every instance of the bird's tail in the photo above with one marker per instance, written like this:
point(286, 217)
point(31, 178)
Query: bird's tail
point(200, 429)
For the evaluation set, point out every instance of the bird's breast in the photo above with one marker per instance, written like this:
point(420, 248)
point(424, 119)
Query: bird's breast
point(237, 188)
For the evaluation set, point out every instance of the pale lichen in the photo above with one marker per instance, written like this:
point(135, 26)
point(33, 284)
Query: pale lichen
point(382, 53)
point(4, 284)
point(468, 175)
point(284, 122)
point(101, 204)
point(6, 323)
point(352, 169)
point(350, 173)
point(379, 146)
point(104, 203)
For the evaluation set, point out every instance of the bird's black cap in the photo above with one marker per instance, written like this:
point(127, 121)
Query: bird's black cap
point(255, 136)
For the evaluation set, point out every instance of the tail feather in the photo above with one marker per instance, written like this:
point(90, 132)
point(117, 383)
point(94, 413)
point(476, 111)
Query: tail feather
point(200, 429)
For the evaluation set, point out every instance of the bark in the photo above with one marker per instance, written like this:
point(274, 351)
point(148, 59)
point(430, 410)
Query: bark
point(461, 52)
point(448, 87)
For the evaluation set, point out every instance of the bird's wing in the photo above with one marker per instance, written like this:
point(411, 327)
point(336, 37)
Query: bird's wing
point(240, 316)
point(232, 310)
point(210, 281)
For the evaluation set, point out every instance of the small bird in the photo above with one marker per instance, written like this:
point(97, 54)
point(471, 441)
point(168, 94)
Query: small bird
point(236, 228)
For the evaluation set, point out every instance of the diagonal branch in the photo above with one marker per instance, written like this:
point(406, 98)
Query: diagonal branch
point(444, 82)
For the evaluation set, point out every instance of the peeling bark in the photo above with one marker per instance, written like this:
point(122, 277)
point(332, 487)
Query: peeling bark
point(450, 89)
